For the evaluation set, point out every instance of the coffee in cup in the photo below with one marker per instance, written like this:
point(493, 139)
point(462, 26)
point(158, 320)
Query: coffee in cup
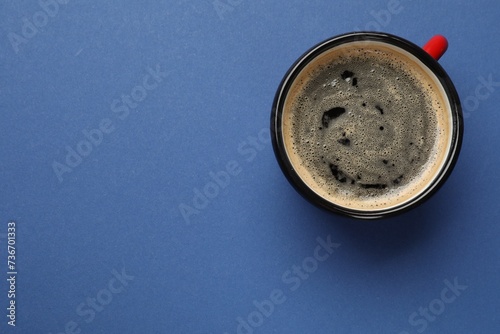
point(366, 124)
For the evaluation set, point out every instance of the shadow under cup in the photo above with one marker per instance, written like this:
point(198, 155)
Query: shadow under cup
point(367, 125)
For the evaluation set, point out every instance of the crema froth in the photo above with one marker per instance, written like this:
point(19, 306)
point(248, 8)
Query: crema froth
point(365, 126)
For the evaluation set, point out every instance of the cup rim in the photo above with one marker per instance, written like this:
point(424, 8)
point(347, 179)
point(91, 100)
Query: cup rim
point(399, 42)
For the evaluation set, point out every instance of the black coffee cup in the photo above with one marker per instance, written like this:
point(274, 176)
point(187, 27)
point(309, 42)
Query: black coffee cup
point(367, 124)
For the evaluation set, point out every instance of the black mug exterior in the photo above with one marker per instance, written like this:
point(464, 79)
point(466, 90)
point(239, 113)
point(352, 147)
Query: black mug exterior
point(427, 60)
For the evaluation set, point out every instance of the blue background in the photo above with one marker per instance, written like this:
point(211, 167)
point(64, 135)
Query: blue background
point(119, 210)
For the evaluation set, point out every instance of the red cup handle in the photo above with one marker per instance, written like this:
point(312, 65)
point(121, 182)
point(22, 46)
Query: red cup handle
point(436, 46)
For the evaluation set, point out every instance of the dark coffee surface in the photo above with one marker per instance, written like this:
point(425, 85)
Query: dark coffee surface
point(365, 127)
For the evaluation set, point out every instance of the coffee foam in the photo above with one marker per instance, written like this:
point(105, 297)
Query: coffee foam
point(366, 126)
